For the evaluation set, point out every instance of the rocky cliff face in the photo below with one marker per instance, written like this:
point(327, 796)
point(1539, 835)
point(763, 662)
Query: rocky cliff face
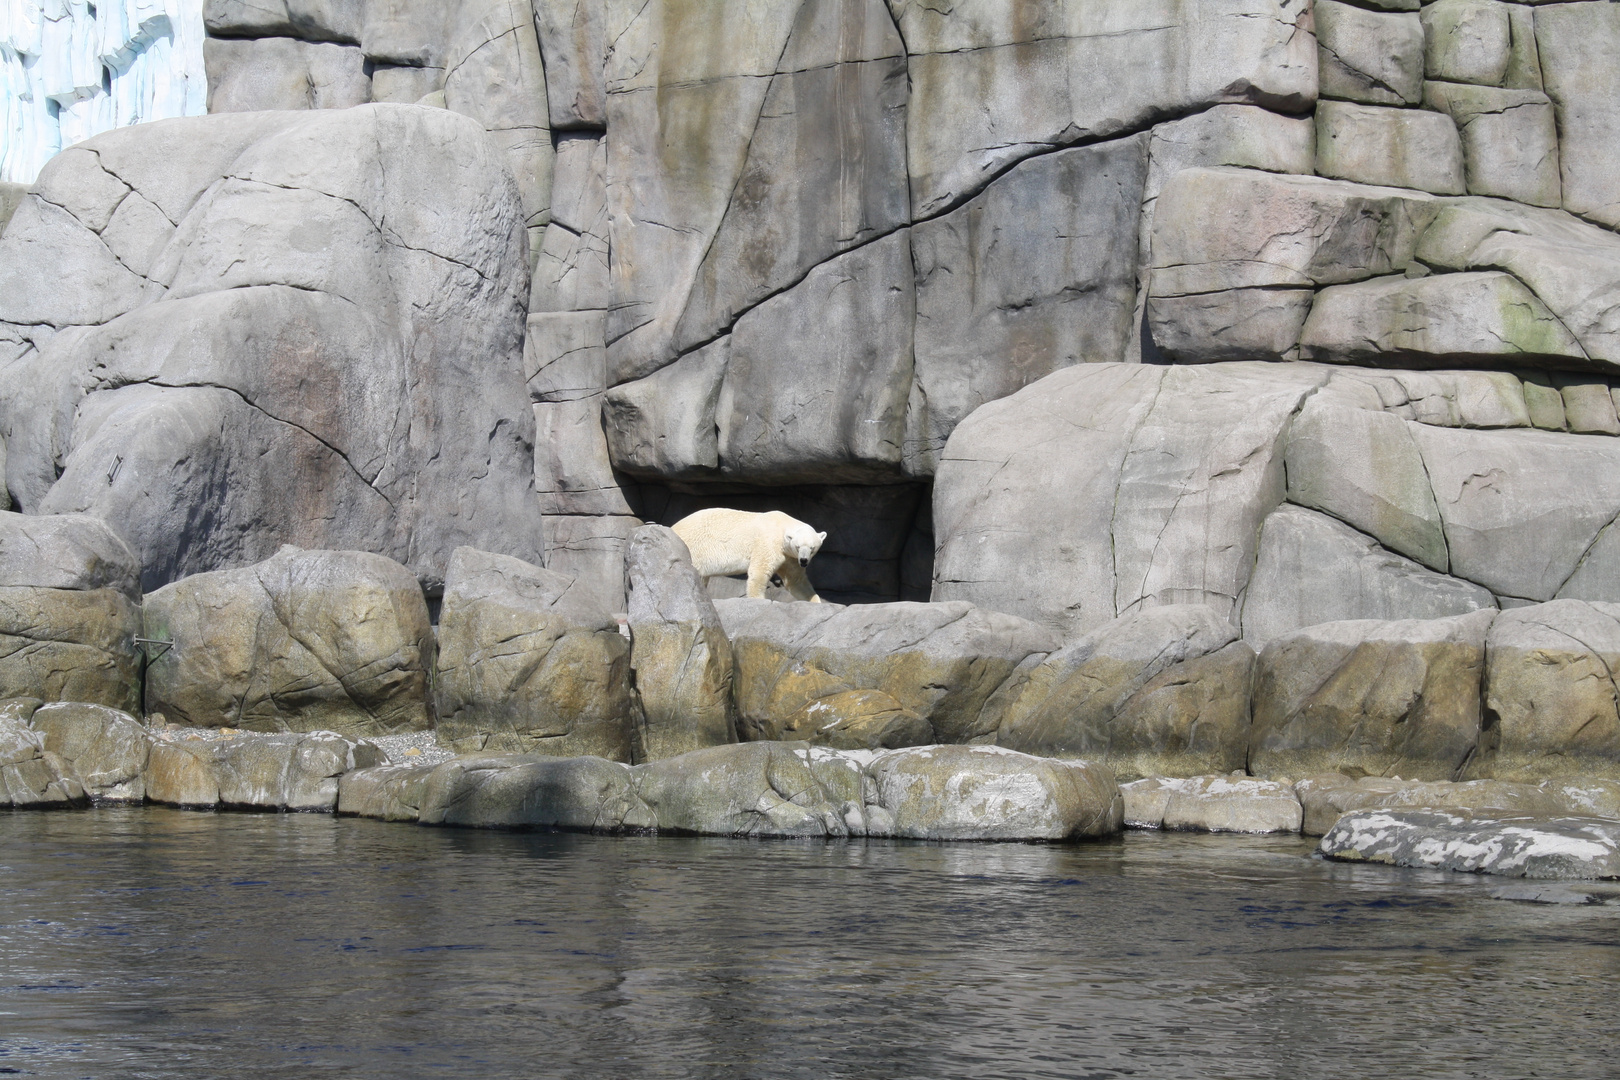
point(780, 251)
point(1294, 313)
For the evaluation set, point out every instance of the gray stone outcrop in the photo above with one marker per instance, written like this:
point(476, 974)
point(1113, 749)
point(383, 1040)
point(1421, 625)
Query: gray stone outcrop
point(863, 675)
point(1371, 698)
point(31, 777)
point(1300, 494)
point(108, 750)
point(1328, 797)
point(1162, 691)
point(1550, 687)
point(69, 612)
point(679, 654)
point(305, 641)
point(527, 666)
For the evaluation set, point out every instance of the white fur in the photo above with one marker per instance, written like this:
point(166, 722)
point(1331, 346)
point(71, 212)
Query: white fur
point(725, 542)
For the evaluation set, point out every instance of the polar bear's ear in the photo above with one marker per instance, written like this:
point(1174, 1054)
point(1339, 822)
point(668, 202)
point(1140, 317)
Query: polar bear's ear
point(820, 536)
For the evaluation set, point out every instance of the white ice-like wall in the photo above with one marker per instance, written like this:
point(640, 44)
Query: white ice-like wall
point(70, 69)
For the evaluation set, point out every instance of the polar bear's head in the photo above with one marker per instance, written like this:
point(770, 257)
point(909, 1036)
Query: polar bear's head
point(802, 542)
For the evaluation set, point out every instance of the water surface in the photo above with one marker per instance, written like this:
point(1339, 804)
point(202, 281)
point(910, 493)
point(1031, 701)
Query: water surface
point(154, 943)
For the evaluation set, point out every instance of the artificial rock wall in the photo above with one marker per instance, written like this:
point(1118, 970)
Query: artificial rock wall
point(779, 252)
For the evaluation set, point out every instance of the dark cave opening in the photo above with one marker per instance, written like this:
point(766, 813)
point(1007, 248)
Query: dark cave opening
point(880, 539)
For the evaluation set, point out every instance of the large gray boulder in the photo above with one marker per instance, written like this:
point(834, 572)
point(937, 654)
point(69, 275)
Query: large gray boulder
point(66, 551)
point(217, 390)
point(671, 180)
point(1438, 321)
point(1521, 536)
point(755, 789)
point(942, 662)
point(572, 40)
point(528, 666)
point(1245, 247)
point(308, 20)
point(679, 653)
point(1164, 691)
point(1469, 41)
point(666, 425)
point(247, 75)
point(571, 266)
point(1374, 57)
point(825, 169)
point(847, 324)
point(31, 777)
point(514, 791)
point(1107, 487)
point(1569, 847)
point(1370, 698)
point(1572, 267)
point(590, 549)
point(69, 612)
point(1550, 687)
point(1398, 148)
point(1348, 457)
point(107, 749)
point(1509, 140)
point(305, 641)
point(384, 792)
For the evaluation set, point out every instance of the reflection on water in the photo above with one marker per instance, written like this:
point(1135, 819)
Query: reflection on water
point(154, 943)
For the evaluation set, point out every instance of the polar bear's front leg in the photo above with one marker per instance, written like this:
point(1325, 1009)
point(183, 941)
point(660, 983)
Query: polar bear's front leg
point(759, 576)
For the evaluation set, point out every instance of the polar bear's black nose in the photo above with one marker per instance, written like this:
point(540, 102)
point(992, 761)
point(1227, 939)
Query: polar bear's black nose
point(804, 562)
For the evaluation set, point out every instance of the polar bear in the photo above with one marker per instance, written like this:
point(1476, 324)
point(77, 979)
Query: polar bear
point(763, 546)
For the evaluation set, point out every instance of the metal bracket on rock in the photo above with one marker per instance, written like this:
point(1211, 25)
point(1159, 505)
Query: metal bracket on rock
point(144, 642)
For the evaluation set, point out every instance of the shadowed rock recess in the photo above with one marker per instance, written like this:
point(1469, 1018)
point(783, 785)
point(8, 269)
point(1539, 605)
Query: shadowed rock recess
point(1218, 398)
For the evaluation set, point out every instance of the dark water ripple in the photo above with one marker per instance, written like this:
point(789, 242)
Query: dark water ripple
point(151, 943)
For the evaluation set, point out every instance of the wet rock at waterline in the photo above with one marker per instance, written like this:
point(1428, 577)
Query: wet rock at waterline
point(1327, 797)
point(254, 772)
point(108, 749)
point(304, 641)
point(1368, 697)
point(1568, 847)
point(31, 777)
point(1550, 684)
point(990, 793)
point(1234, 803)
point(783, 789)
